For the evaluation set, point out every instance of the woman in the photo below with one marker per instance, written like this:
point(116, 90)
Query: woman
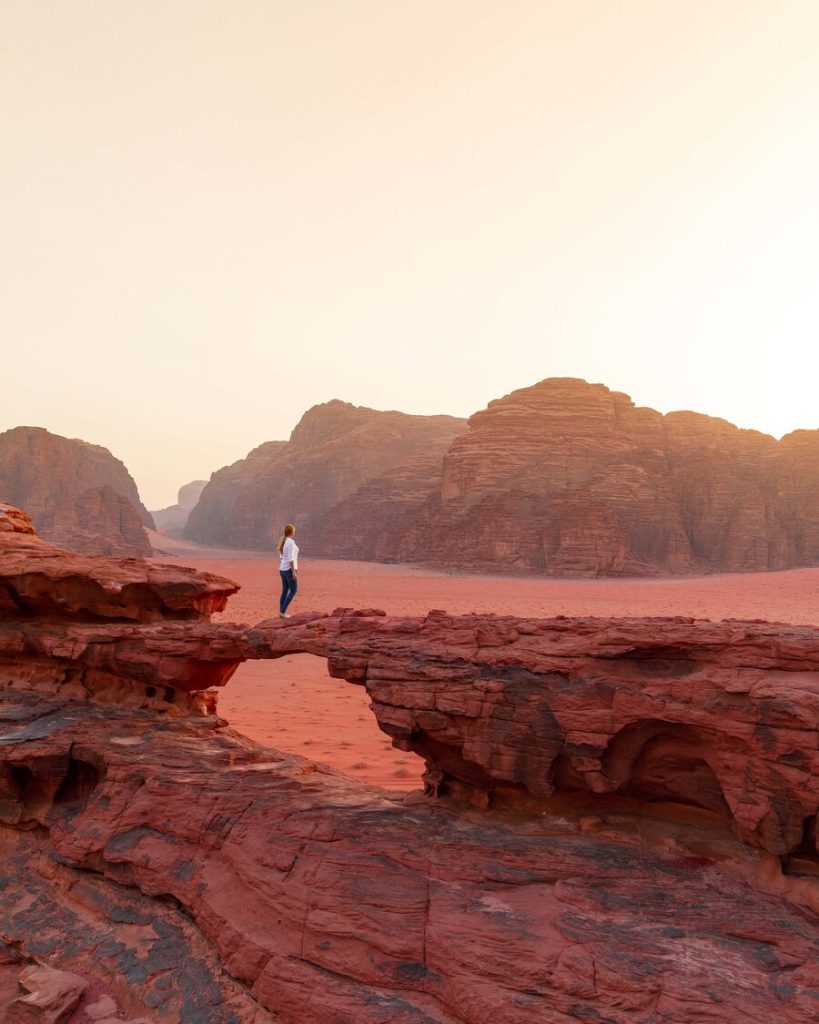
point(288, 568)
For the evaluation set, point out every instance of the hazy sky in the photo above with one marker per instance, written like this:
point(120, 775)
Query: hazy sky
point(215, 215)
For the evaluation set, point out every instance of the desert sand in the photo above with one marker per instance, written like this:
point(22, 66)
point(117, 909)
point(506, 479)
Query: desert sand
point(294, 705)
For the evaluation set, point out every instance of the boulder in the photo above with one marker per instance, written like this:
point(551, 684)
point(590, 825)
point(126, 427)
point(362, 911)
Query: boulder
point(51, 996)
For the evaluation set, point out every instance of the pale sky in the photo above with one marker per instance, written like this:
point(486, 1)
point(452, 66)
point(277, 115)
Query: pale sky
point(215, 215)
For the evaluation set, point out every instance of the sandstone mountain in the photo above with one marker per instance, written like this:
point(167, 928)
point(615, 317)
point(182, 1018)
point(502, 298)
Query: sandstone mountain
point(563, 478)
point(569, 478)
point(173, 519)
point(335, 452)
point(211, 519)
point(77, 493)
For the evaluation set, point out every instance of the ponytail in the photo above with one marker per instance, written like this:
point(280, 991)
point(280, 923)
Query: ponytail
point(289, 530)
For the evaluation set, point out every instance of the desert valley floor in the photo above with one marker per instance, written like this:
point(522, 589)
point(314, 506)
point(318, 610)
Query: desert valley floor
point(294, 705)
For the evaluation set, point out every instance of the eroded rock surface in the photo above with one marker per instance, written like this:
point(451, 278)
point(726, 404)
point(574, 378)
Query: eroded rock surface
point(289, 891)
point(50, 996)
point(511, 710)
point(624, 829)
point(39, 581)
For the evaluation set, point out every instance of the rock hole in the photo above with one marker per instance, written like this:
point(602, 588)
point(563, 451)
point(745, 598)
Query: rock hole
point(664, 762)
point(803, 859)
point(22, 778)
point(294, 705)
point(31, 792)
point(670, 768)
point(566, 778)
point(80, 781)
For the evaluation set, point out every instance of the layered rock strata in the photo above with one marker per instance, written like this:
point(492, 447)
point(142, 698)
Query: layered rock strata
point(563, 478)
point(514, 712)
point(41, 581)
point(212, 517)
point(336, 450)
point(67, 624)
point(624, 828)
point(569, 478)
point(78, 494)
point(216, 881)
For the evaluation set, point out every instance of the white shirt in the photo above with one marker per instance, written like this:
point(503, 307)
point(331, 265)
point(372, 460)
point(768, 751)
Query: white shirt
point(290, 554)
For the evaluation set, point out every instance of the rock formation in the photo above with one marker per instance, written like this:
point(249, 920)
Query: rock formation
point(210, 520)
point(335, 451)
point(564, 478)
point(569, 478)
point(173, 519)
point(619, 824)
point(513, 712)
point(39, 580)
point(78, 494)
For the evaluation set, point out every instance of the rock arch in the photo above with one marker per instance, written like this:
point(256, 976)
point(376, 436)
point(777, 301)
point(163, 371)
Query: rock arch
point(657, 760)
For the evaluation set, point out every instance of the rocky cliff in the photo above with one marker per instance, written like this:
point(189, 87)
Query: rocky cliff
point(569, 478)
point(619, 823)
point(173, 519)
point(78, 494)
point(564, 478)
point(335, 451)
point(211, 519)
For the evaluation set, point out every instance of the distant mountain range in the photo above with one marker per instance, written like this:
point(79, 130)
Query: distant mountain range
point(564, 478)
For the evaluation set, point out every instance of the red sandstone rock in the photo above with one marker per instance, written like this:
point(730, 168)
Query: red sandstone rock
point(38, 579)
point(51, 996)
point(101, 522)
point(212, 880)
point(211, 519)
point(78, 494)
point(336, 450)
point(569, 478)
point(101, 1008)
point(564, 478)
point(289, 893)
point(14, 520)
point(501, 708)
point(513, 711)
point(711, 715)
point(372, 524)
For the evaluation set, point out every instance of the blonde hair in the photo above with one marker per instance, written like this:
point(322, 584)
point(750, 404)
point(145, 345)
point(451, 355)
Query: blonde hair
point(289, 530)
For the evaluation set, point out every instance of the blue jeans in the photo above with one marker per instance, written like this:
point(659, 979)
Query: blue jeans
point(289, 587)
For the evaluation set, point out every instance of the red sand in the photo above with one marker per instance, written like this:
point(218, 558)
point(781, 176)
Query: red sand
point(294, 705)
